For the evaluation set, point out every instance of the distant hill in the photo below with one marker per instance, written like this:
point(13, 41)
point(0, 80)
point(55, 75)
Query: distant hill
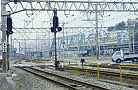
point(123, 26)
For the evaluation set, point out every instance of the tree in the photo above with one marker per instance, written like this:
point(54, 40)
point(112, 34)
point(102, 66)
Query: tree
point(120, 26)
point(110, 28)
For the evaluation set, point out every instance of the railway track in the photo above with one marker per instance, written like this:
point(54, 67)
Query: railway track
point(71, 83)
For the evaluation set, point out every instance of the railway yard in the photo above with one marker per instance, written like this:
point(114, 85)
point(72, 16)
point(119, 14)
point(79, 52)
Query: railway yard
point(71, 77)
point(69, 45)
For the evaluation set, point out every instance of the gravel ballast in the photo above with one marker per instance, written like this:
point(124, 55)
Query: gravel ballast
point(27, 81)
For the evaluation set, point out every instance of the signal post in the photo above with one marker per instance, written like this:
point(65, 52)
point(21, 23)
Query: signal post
point(6, 22)
point(55, 29)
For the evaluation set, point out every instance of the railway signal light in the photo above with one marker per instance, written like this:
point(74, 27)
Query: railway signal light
point(59, 29)
point(52, 29)
point(9, 25)
point(55, 27)
point(55, 21)
point(15, 1)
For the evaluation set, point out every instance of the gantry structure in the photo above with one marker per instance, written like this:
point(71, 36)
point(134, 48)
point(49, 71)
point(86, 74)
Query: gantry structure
point(65, 5)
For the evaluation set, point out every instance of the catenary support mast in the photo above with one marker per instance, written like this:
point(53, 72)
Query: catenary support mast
point(3, 28)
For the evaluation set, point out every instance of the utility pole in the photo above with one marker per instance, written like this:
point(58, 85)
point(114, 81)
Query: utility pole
point(19, 47)
point(3, 28)
point(63, 40)
point(49, 41)
point(63, 25)
point(25, 48)
point(133, 39)
point(96, 22)
point(36, 42)
point(129, 34)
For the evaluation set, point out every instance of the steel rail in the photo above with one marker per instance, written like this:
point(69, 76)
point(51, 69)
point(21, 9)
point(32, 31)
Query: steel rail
point(66, 79)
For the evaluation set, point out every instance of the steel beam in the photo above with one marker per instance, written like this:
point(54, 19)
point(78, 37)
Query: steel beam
point(89, 6)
